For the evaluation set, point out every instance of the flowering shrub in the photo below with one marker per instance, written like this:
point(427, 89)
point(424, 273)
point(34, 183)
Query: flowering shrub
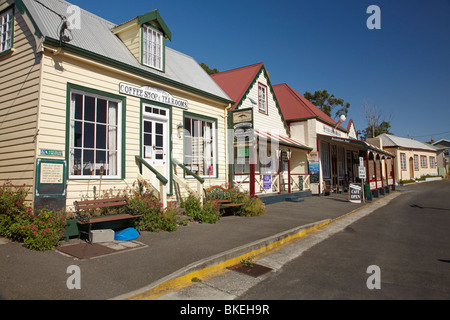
point(41, 230)
point(12, 206)
point(155, 218)
point(44, 229)
point(209, 212)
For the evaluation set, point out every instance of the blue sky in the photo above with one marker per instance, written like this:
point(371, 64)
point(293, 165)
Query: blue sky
point(403, 68)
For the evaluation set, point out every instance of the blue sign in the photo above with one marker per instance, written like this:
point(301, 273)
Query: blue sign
point(267, 181)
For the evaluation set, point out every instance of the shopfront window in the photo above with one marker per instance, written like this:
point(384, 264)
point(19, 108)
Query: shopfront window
point(199, 146)
point(95, 136)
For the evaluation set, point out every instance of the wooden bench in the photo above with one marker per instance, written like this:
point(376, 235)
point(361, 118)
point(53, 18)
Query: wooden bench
point(221, 195)
point(104, 203)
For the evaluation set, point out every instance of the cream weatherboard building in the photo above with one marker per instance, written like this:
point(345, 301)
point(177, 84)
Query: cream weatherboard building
point(414, 159)
point(93, 105)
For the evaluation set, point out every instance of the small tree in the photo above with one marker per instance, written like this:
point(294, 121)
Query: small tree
point(375, 124)
point(208, 69)
point(326, 102)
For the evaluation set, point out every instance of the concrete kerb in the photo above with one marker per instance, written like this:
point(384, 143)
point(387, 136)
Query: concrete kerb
point(215, 265)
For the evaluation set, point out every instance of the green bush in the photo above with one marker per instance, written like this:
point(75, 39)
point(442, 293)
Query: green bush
point(252, 206)
point(209, 212)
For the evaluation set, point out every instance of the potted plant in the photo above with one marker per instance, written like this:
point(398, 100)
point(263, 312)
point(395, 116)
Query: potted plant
point(71, 228)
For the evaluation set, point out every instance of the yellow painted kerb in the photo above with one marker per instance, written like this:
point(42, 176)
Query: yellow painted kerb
point(220, 268)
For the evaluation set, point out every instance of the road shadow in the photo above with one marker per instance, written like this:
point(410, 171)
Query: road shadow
point(442, 260)
point(420, 207)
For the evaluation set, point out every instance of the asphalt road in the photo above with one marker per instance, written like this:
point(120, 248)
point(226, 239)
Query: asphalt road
point(408, 242)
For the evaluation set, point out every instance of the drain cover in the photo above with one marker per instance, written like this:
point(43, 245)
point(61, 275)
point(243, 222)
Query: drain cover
point(255, 271)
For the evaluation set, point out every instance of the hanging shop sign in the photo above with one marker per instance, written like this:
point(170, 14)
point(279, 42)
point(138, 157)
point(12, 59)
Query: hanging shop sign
point(153, 94)
point(242, 125)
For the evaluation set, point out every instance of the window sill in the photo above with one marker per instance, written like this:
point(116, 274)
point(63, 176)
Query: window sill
point(87, 178)
point(10, 51)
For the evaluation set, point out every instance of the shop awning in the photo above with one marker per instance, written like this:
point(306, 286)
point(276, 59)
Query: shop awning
point(283, 140)
point(363, 144)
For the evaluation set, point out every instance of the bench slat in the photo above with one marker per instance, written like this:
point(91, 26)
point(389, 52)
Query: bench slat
point(232, 204)
point(102, 205)
point(101, 200)
point(110, 218)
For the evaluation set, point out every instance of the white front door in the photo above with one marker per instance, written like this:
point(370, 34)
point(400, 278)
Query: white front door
point(155, 142)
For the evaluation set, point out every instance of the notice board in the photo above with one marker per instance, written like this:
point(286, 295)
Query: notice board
point(50, 183)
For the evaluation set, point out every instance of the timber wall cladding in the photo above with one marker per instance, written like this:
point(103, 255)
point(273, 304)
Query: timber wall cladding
point(58, 70)
point(19, 99)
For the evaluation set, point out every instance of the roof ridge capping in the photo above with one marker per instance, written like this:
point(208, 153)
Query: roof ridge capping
point(236, 69)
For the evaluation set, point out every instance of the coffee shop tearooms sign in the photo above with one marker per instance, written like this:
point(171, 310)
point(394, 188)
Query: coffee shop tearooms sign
point(153, 94)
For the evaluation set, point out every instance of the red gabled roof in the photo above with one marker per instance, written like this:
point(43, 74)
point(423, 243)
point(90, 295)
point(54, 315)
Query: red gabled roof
point(295, 106)
point(236, 82)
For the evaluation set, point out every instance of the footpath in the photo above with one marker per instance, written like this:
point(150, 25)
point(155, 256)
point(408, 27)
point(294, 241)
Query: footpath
point(192, 262)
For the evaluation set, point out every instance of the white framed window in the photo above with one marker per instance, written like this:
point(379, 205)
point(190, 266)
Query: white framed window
point(262, 98)
point(6, 30)
point(152, 47)
point(95, 136)
point(416, 162)
point(200, 145)
point(403, 161)
point(432, 162)
point(423, 162)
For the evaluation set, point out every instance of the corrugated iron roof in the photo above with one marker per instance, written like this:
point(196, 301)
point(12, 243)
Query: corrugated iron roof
point(95, 36)
point(295, 106)
point(394, 141)
point(236, 82)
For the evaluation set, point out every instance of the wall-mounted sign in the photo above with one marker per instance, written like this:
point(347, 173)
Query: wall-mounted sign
point(50, 187)
point(267, 181)
point(152, 94)
point(52, 173)
point(330, 130)
point(46, 152)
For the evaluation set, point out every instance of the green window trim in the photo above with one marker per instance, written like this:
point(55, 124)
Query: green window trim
point(169, 121)
point(163, 51)
point(121, 148)
point(10, 49)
